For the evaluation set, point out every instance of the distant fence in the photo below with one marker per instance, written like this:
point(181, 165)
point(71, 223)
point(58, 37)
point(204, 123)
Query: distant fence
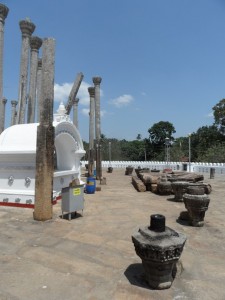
point(159, 165)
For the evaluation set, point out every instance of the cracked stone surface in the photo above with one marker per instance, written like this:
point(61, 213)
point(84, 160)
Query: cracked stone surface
point(92, 256)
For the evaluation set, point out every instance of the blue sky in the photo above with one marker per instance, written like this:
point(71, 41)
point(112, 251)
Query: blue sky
point(160, 60)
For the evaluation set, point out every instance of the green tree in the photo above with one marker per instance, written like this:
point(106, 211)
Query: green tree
point(179, 149)
point(160, 131)
point(138, 137)
point(219, 114)
point(133, 150)
point(157, 136)
point(204, 138)
point(213, 154)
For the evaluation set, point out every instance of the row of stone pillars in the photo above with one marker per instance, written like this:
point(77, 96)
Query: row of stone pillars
point(29, 97)
point(95, 129)
point(29, 44)
point(3, 15)
point(45, 131)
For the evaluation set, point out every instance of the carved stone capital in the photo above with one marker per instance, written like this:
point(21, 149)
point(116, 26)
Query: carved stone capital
point(14, 103)
point(91, 91)
point(3, 12)
point(27, 27)
point(97, 80)
point(35, 43)
point(4, 101)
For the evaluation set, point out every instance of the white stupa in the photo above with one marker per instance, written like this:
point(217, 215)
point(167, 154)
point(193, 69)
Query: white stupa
point(18, 160)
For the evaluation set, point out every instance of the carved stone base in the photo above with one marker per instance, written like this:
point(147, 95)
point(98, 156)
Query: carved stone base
point(159, 248)
point(164, 186)
point(196, 203)
point(159, 275)
point(179, 188)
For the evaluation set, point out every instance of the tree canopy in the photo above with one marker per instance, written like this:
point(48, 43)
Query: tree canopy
point(160, 131)
point(219, 114)
point(207, 143)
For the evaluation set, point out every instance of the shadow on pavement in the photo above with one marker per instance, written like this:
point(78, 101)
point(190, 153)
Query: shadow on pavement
point(135, 275)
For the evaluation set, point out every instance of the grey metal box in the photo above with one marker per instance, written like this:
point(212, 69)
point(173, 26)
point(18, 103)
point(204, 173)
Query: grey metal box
point(72, 199)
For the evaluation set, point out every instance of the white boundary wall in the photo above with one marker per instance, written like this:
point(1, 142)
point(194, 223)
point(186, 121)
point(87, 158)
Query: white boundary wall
point(160, 165)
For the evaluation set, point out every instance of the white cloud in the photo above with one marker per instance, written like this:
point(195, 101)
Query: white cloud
point(85, 111)
point(61, 92)
point(122, 100)
point(210, 115)
point(103, 113)
point(83, 94)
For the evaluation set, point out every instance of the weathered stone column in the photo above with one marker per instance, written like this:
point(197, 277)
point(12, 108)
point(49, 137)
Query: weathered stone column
point(2, 114)
point(3, 14)
point(45, 137)
point(27, 28)
point(91, 91)
point(74, 91)
point(97, 81)
point(13, 112)
point(39, 74)
point(35, 44)
point(75, 112)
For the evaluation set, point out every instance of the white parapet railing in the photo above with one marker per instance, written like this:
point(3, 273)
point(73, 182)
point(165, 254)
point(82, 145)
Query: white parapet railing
point(197, 167)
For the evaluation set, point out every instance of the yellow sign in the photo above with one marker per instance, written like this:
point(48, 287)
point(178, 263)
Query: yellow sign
point(76, 191)
point(91, 183)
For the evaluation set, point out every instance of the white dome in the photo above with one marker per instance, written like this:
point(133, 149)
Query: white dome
point(19, 138)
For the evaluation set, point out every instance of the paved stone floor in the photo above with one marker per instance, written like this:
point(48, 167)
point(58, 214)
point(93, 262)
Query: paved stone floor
point(92, 256)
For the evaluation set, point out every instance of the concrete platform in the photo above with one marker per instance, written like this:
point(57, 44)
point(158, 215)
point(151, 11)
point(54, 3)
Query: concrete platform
point(92, 256)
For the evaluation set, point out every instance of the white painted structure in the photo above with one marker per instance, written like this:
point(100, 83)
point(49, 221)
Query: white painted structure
point(198, 167)
point(18, 160)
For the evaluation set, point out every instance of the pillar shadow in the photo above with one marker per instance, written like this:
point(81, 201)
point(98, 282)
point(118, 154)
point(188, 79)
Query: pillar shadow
point(135, 274)
point(183, 219)
point(172, 199)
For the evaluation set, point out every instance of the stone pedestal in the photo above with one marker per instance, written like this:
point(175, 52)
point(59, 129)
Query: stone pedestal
point(110, 169)
point(164, 186)
point(129, 170)
point(159, 248)
point(196, 203)
point(179, 188)
point(212, 173)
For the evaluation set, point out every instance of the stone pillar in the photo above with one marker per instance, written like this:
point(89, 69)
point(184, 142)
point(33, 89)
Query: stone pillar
point(27, 28)
point(97, 81)
point(45, 137)
point(35, 44)
point(13, 112)
point(74, 91)
point(75, 112)
point(2, 114)
point(91, 91)
point(3, 14)
point(39, 73)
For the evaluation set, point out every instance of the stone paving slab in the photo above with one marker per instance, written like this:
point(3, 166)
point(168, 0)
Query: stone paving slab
point(92, 256)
